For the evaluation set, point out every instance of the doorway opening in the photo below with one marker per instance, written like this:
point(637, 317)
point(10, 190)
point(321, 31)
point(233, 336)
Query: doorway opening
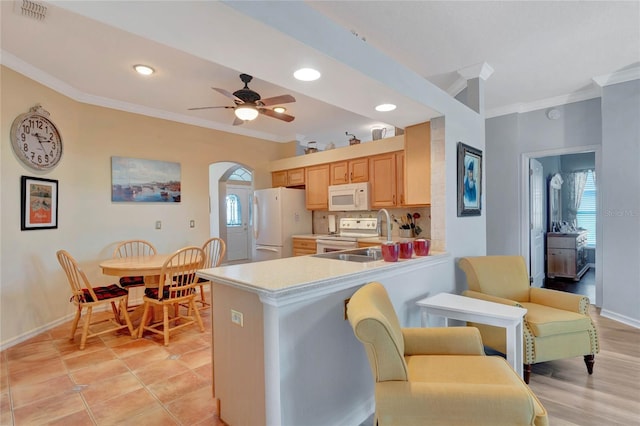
point(230, 194)
point(560, 238)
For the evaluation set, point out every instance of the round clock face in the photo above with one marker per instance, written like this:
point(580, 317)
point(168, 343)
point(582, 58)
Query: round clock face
point(36, 141)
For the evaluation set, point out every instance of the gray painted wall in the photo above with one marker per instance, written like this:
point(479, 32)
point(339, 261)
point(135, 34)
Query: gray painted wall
point(612, 122)
point(620, 201)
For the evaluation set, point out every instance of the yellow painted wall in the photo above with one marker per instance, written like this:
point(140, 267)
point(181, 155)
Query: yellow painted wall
point(33, 290)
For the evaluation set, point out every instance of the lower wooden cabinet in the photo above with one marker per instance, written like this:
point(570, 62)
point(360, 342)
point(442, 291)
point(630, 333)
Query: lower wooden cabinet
point(304, 246)
point(362, 244)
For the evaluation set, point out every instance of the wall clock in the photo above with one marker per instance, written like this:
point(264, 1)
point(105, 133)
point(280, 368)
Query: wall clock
point(36, 140)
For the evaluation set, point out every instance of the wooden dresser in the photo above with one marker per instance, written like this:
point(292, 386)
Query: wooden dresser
point(566, 255)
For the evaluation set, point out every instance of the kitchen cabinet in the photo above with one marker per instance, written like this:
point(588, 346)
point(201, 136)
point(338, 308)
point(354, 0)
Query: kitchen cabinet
point(566, 255)
point(400, 192)
point(304, 246)
point(351, 171)
point(288, 178)
point(383, 179)
point(317, 187)
point(364, 244)
point(417, 163)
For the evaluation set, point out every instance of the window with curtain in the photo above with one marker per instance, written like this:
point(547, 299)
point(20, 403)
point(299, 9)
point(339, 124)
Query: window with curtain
point(234, 210)
point(586, 216)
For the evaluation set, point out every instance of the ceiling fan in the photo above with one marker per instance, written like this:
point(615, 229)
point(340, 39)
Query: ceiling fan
point(248, 103)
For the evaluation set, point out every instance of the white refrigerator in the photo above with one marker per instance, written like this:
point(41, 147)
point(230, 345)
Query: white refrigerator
point(278, 213)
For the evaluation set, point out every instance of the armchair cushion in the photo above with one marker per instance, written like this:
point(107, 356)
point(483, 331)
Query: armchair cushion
point(560, 300)
point(546, 321)
point(442, 341)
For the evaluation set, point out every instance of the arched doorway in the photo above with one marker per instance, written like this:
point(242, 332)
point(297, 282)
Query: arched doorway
point(230, 189)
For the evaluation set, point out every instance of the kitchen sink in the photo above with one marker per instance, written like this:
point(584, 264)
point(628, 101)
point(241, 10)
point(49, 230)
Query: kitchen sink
point(368, 254)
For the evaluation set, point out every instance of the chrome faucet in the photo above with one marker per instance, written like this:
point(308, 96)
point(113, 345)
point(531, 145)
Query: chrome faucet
point(386, 213)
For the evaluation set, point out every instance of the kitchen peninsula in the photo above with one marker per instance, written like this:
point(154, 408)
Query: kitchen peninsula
point(283, 352)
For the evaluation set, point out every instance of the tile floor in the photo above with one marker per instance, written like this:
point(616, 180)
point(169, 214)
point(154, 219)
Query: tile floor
point(115, 380)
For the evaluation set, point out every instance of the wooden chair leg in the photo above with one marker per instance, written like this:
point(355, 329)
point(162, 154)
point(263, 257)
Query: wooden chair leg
point(165, 315)
point(527, 373)
point(85, 328)
point(74, 326)
point(143, 320)
point(123, 309)
point(195, 310)
point(590, 360)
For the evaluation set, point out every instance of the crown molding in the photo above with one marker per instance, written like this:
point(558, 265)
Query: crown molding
point(18, 65)
point(519, 108)
point(621, 76)
point(483, 71)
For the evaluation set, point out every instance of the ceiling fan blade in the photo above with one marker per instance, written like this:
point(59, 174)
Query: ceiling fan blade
point(237, 122)
point(229, 95)
point(276, 100)
point(279, 115)
point(209, 107)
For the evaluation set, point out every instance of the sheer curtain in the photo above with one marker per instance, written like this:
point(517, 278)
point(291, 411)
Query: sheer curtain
point(572, 194)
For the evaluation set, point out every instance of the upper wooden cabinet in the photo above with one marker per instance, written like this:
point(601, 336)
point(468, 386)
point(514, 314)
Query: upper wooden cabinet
point(317, 187)
point(417, 164)
point(351, 171)
point(293, 177)
point(382, 170)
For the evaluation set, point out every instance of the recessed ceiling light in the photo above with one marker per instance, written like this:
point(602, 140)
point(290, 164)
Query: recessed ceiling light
point(279, 109)
point(143, 69)
point(307, 74)
point(385, 107)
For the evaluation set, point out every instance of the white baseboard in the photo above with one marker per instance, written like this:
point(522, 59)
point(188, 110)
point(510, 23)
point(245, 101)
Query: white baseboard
point(632, 322)
point(32, 333)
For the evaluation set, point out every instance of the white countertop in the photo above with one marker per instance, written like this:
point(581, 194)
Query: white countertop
point(277, 277)
point(376, 239)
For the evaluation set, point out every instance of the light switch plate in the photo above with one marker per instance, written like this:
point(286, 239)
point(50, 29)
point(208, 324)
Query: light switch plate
point(237, 318)
point(158, 224)
point(192, 223)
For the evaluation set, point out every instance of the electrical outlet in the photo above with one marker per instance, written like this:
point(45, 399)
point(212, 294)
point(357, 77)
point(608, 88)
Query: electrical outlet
point(237, 318)
point(158, 224)
point(192, 223)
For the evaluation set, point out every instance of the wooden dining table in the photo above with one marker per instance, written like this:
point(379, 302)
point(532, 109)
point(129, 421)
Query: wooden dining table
point(147, 266)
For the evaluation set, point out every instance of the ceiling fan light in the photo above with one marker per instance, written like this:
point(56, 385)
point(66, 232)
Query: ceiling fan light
point(246, 113)
point(385, 107)
point(279, 109)
point(307, 74)
point(143, 69)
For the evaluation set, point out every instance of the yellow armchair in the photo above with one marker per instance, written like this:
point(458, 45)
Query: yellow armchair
point(557, 324)
point(436, 376)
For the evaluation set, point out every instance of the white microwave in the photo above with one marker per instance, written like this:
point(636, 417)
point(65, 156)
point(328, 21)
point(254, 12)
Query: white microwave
point(349, 197)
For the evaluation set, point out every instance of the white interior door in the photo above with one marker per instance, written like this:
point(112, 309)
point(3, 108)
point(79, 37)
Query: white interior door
point(536, 220)
point(238, 205)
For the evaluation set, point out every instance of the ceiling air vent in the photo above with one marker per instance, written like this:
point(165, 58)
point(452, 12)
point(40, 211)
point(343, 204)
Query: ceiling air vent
point(32, 9)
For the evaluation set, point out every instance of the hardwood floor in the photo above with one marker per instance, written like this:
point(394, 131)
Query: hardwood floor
point(611, 396)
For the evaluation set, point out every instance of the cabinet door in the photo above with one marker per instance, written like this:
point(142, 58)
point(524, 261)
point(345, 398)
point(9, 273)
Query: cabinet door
point(359, 170)
point(382, 174)
point(401, 199)
point(303, 246)
point(279, 178)
point(339, 173)
point(317, 187)
point(561, 263)
point(295, 177)
point(417, 149)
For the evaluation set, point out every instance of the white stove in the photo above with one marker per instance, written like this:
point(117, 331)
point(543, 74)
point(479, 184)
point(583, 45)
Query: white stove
point(350, 230)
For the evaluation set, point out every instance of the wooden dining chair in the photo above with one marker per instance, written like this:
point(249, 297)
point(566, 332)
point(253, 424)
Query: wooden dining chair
point(132, 248)
point(214, 249)
point(177, 286)
point(84, 295)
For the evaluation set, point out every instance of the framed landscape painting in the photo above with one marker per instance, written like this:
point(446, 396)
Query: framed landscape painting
point(469, 180)
point(144, 181)
point(39, 203)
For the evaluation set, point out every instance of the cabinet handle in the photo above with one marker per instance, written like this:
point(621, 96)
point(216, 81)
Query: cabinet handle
point(351, 177)
point(345, 177)
point(394, 199)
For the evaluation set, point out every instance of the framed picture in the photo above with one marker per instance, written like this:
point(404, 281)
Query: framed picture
point(144, 181)
point(39, 203)
point(469, 180)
